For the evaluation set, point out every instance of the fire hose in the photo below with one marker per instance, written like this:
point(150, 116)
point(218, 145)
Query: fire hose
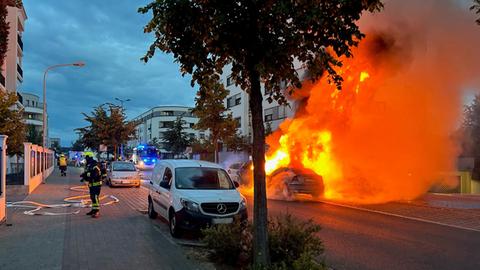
point(74, 201)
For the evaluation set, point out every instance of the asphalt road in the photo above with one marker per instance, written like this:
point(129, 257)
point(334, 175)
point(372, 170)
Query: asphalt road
point(356, 239)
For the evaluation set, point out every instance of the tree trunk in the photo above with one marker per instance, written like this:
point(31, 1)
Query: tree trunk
point(261, 256)
point(115, 152)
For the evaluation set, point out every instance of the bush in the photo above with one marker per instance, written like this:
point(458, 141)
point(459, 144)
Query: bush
point(293, 244)
point(229, 243)
point(291, 240)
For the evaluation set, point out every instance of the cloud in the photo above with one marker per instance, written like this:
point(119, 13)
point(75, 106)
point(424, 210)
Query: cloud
point(108, 36)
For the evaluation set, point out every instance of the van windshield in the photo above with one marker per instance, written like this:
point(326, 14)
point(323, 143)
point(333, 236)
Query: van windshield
point(202, 178)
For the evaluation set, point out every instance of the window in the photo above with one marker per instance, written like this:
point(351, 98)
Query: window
point(123, 167)
point(167, 178)
point(202, 136)
point(166, 124)
point(275, 113)
point(192, 125)
point(234, 100)
point(238, 120)
point(229, 80)
point(166, 113)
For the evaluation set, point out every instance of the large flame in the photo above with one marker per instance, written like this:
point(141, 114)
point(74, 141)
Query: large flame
point(387, 135)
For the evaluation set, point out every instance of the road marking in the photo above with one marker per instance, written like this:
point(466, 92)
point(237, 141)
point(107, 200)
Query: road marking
point(399, 216)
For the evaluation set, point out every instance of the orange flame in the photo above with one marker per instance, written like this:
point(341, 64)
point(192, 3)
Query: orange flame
point(360, 140)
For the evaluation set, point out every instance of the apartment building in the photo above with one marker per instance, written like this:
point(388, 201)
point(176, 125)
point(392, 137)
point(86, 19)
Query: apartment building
point(237, 104)
point(11, 76)
point(33, 112)
point(156, 121)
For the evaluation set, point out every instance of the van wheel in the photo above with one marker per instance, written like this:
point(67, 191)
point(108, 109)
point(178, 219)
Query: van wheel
point(151, 212)
point(174, 229)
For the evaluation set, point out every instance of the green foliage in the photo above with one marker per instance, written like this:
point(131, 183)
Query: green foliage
point(175, 139)
point(229, 243)
point(108, 127)
point(476, 8)
point(239, 143)
point(33, 135)
point(294, 244)
point(56, 147)
point(211, 112)
point(292, 240)
point(11, 122)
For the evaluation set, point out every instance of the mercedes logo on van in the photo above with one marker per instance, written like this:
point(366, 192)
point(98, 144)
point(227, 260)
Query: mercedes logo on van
point(221, 208)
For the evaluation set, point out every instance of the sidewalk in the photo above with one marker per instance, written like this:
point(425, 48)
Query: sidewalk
point(122, 238)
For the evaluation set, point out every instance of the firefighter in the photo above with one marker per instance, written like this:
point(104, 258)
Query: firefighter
point(62, 164)
point(93, 176)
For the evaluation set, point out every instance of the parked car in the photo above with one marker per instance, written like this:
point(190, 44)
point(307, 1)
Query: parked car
point(234, 171)
point(289, 182)
point(122, 173)
point(192, 194)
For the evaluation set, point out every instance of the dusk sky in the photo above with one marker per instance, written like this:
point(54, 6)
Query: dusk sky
point(108, 36)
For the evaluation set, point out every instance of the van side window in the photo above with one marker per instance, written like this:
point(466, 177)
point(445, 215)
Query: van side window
point(157, 174)
point(167, 177)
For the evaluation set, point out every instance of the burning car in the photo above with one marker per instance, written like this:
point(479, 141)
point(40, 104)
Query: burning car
point(288, 182)
point(285, 182)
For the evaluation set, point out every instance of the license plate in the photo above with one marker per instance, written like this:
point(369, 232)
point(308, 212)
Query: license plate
point(222, 220)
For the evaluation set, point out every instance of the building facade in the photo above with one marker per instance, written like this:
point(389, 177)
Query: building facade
point(155, 122)
point(33, 112)
point(11, 75)
point(237, 104)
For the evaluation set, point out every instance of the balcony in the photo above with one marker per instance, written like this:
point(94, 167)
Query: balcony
point(20, 42)
point(2, 79)
point(20, 70)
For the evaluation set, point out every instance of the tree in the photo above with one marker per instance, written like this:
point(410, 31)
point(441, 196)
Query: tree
point(212, 114)
point(11, 123)
point(77, 145)
point(56, 147)
point(261, 41)
point(175, 139)
point(33, 135)
point(471, 128)
point(108, 127)
point(476, 8)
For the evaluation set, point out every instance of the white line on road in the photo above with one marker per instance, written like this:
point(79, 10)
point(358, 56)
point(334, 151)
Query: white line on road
point(399, 216)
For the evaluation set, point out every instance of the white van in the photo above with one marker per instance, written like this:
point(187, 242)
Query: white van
point(192, 194)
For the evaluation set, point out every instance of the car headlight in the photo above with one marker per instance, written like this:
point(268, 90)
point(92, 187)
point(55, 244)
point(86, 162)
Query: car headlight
point(243, 204)
point(190, 206)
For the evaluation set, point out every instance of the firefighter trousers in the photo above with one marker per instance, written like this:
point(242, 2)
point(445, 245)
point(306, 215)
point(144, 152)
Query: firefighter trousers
point(95, 197)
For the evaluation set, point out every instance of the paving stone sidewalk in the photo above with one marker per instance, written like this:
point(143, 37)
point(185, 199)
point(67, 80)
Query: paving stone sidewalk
point(122, 238)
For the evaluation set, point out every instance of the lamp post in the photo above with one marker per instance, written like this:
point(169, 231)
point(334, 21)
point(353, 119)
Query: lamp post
point(44, 124)
point(123, 109)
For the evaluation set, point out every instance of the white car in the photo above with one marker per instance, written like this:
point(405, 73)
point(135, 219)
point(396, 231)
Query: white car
point(122, 173)
point(192, 194)
point(234, 171)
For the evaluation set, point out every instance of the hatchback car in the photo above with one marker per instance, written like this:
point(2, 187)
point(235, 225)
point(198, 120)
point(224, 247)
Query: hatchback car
point(122, 173)
point(193, 194)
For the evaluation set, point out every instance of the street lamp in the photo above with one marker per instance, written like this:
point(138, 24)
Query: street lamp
point(123, 109)
point(44, 124)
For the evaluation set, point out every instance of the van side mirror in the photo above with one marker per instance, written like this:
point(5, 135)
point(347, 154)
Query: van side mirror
point(236, 184)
